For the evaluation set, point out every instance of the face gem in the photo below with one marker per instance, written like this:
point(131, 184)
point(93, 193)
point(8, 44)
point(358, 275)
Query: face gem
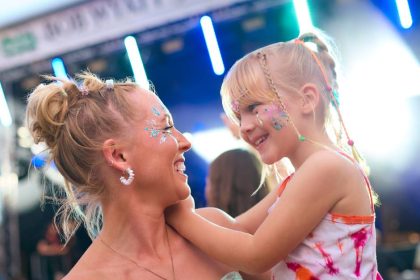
point(277, 117)
point(235, 106)
point(155, 111)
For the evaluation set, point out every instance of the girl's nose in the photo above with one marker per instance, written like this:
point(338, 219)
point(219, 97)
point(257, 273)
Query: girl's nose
point(247, 124)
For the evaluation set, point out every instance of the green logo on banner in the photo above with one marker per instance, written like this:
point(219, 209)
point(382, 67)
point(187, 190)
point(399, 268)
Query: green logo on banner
point(19, 44)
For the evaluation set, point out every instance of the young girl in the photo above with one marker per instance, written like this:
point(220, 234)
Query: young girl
point(321, 225)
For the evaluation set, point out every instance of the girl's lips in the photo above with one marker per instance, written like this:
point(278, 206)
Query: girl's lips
point(259, 141)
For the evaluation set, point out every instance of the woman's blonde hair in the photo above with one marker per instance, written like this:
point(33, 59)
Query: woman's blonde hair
point(74, 118)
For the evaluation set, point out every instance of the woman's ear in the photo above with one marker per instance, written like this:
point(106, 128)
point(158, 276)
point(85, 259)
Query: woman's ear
point(310, 97)
point(113, 155)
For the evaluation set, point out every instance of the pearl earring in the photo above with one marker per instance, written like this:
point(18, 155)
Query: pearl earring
point(127, 181)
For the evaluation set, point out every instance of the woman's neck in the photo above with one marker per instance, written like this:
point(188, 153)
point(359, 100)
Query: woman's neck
point(134, 227)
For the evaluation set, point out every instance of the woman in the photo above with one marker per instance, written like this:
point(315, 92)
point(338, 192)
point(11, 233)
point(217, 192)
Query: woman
point(123, 163)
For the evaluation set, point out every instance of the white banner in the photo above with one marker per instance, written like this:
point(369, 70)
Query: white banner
point(90, 23)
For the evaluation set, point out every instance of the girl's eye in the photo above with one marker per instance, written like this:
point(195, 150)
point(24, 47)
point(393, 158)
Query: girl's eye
point(252, 107)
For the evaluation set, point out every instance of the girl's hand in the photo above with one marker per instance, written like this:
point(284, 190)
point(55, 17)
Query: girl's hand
point(178, 213)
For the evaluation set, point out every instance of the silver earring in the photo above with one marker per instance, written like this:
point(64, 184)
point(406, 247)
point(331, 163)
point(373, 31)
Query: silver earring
point(130, 177)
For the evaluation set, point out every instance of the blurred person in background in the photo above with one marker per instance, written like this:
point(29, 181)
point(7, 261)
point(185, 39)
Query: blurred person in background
point(233, 178)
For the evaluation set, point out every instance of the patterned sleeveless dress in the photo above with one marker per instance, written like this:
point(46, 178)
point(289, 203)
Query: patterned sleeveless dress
point(340, 247)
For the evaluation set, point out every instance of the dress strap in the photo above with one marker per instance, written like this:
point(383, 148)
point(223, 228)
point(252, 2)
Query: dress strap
point(368, 185)
point(284, 184)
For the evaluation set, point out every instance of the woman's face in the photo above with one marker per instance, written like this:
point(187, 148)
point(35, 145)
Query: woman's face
point(159, 149)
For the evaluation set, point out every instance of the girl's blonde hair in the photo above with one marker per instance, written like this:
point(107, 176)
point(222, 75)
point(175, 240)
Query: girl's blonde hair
point(74, 121)
point(283, 69)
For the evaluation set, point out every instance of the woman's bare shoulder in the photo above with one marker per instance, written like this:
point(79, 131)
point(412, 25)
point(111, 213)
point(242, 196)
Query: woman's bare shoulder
point(91, 266)
point(80, 273)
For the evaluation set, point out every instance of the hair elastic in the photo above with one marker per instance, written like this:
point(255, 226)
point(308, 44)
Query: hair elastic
point(109, 84)
point(83, 90)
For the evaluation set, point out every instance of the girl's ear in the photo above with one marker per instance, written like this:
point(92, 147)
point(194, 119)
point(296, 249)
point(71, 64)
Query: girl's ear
point(113, 155)
point(310, 97)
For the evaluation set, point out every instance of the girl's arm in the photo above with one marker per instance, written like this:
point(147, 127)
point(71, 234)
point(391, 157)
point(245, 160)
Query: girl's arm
point(305, 201)
point(249, 221)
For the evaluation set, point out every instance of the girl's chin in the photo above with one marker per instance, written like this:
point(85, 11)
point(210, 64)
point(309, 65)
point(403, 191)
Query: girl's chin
point(267, 158)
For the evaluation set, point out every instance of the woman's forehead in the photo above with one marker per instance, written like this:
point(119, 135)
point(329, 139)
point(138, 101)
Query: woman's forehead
point(153, 106)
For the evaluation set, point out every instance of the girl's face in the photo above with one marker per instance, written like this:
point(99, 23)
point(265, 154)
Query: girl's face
point(266, 127)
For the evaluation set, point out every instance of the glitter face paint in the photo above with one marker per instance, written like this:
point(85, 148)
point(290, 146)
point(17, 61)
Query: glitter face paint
point(272, 114)
point(235, 106)
point(154, 129)
point(155, 111)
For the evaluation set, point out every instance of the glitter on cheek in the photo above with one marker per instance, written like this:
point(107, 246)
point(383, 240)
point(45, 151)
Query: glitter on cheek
point(235, 106)
point(275, 116)
point(155, 111)
point(155, 132)
point(276, 124)
point(162, 139)
point(151, 128)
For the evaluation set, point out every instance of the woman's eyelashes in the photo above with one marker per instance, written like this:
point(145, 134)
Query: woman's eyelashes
point(167, 129)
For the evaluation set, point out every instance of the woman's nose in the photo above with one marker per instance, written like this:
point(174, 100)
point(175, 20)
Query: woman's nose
point(184, 144)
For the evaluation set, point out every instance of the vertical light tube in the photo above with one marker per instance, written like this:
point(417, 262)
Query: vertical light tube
point(5, 116)
point(404, 13)
point(59, 68)
point(303, 15)
point(136, 62)
point(212, 45)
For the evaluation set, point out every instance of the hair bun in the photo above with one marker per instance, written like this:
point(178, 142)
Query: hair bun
point(313, 38)
point(45, 113)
